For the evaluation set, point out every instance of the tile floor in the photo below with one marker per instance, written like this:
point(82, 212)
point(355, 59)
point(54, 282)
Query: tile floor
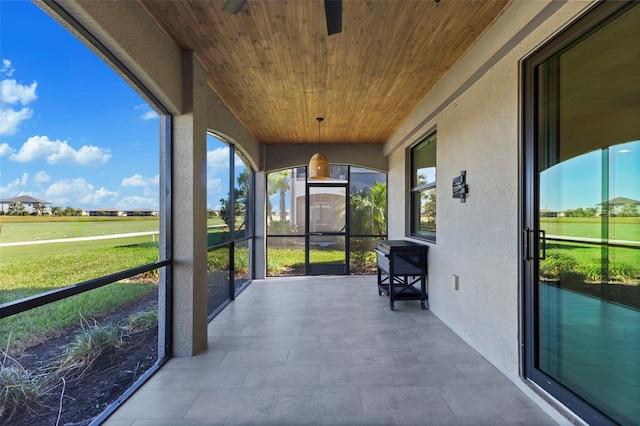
point(328, 351)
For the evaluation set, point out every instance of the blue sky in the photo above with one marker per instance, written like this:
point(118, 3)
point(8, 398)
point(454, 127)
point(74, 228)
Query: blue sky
point(577, 182)
point(72, 132)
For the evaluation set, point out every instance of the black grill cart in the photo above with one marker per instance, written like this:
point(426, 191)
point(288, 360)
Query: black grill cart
point(402, 270)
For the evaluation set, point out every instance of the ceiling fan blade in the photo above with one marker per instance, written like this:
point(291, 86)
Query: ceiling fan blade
point(233, 6)
point(333, 12)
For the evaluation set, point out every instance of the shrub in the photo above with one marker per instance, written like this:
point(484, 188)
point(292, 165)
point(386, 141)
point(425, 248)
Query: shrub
point(592, 270)
point(142, 321)
point(19, 389)
point(622, 271)
point(556, 263)
point(88, 345)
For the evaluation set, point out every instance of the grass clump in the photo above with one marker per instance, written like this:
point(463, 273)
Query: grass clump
point(20, 389)
point(623, 271)
point(142, 321)
point(89, 343)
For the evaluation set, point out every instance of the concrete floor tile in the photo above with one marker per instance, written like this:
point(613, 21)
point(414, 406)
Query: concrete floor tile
point(483, 373)
point(233, 403)
point(266, 330)
point(406, 400)
point(355, 375)
point(156, 405)
point(275, 376)
point(488, 400)
point(318, 401)
point(251, 358)
point(384, 356)
point(427, 375)
point(212, 378)
point(280, 421)
point(367, 421)
point(451, 420)
point(212, 421)
point(118, 423)
point(211, 358)
point(319, 357)
point(433, 355)
point(528, 420)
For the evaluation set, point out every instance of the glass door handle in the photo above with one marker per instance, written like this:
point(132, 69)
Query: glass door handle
point(526, 241)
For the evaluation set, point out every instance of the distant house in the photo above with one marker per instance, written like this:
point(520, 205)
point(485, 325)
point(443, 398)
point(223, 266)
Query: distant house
point(139, 212)
point(548, 213)
point(31, 204)
point(102, 212)
point(615, 205)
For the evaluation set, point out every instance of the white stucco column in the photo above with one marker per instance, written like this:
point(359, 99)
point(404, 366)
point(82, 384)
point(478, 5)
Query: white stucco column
point(189, 152)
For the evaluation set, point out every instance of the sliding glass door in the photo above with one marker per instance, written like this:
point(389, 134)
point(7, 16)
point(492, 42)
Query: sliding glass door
point(581, 236)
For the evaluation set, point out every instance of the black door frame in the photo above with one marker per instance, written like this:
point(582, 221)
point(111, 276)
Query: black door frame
point(320, 269)
point(529, 241)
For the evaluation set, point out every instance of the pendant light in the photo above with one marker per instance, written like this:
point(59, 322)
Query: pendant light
point(319, 166)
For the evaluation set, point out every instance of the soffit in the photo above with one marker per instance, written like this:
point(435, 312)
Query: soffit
point(277, 70)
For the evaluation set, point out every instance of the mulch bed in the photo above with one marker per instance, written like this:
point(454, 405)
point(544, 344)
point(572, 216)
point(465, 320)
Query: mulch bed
point(87, 396)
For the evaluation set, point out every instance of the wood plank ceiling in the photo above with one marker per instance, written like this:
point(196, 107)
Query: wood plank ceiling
point(277, 70)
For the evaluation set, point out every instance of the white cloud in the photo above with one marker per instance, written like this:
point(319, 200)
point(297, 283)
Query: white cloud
point(5, 149)
point(10, 119)
point(59, 152)
point(99, 197)
point(7, 68)
point(135, 202)
point(41, 177)
point(12, 187)
point(218, 159)
point(138, 180)
point(11, 92)
point(149, 115)
point(214, 185)
point(79, 191)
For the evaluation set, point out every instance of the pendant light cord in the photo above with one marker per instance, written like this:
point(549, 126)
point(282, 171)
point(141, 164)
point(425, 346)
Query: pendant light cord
point(319, 119)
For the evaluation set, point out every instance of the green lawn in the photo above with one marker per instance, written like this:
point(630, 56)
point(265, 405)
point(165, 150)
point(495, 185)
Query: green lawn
point(39, 324)
point(620, 228)
point(33, 269)
point(33, 228)
point(20, 278)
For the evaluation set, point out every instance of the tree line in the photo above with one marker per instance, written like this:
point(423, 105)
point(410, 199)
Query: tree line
point(627, 210)
point(18, 209)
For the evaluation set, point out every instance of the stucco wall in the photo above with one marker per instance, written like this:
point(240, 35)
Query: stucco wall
point(476, 111)
point(221, 121)
point(363, 155)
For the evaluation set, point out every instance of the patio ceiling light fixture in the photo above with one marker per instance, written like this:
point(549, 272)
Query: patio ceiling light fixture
point(319, 166)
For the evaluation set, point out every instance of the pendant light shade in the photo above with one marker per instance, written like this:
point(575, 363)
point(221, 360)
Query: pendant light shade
point(319, 166)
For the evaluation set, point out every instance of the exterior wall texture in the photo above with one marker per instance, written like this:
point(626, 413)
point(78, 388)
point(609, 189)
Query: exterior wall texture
point(476, 112)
